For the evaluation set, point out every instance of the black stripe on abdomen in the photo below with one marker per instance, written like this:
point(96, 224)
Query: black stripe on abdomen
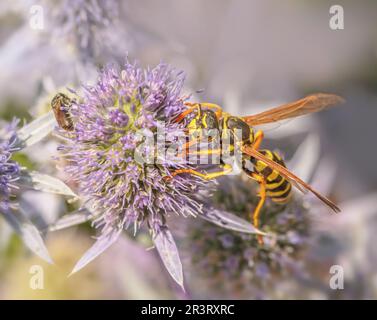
point(280, 193)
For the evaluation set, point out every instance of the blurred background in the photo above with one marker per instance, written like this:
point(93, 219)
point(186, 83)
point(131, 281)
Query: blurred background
point(245, 55)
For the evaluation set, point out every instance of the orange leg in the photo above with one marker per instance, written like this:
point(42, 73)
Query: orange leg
point(206, 176)
point(258, 139)
point(208, 152)
point(192, 142)
point(262, 185)
point(262, 194)
point(184, 114)
point(187, 145)
point(204, 152)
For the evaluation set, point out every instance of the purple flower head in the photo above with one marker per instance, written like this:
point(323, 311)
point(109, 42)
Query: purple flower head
point(9, 170)
point(81, 21)
point(236, 262)
point(102, 150)
point(14, 176)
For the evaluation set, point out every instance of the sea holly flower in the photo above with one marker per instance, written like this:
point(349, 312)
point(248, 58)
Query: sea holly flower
point(82, 22)
point(9, 170)
point(231, 263)
point(14, 179)
point(113, 120)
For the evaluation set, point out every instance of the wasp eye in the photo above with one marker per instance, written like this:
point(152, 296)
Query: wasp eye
point(239, 128)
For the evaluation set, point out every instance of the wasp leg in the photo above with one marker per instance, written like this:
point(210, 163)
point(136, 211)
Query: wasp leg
point(262, 194)
point(207, 152)
point(206, 176)
point(187, 150)
point(204, 152)
point(188, 145)
point(259, 135)
point(184, 114)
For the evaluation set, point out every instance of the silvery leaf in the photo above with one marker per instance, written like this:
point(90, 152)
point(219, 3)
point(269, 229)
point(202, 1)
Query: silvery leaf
point(71, 219)
point(42, 208)
point(99, 247)
point(229, 221)
point(6, 232)
point(44, 183)
point(36, 130)
point(167, 249)
point(28, 233)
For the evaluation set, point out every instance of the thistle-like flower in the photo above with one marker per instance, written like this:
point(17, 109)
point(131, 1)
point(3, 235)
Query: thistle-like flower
point(9, 169)
point(82, 22)
point(113, 120)
point(101, 151)
point(15, 178)
point(235, 264)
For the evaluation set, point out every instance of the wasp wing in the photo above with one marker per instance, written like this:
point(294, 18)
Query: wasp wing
point(309, 104)
point(296, 181)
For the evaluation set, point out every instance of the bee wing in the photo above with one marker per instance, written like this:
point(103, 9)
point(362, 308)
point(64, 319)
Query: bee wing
point(296, 181)
point(309, 104)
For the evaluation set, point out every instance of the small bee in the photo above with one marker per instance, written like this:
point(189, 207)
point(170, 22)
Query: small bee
point(61, 105)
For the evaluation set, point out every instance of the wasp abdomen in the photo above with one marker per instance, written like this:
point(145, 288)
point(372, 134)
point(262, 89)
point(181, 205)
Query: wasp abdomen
point(277, 187)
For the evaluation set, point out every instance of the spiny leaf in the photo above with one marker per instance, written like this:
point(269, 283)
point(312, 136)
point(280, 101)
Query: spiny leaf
point(167, 249)
point(44, 183)
point(99, 246)
point(36, 130)
point(28, 233)
point(71, 219)
point(229, 221)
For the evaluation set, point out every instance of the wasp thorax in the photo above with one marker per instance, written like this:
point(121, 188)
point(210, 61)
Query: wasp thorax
point(239, 130)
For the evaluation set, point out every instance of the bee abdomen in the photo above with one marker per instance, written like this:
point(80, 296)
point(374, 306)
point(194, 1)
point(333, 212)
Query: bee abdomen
point(67, 124)
point(61, 106)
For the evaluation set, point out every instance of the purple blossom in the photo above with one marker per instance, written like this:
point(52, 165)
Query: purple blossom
point(101, 151)
point(232, 263)
point(227, 241)
point(262, 270)
point(236, 262)
point(119, 118)
point(13, 176)
point(81, 21)
point(9, 170)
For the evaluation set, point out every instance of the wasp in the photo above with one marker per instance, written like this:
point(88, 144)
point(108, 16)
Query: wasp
point(266, 167)
point(61, 105)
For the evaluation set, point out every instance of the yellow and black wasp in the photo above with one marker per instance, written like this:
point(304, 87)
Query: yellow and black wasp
point(266, 167)
point(61, 106)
